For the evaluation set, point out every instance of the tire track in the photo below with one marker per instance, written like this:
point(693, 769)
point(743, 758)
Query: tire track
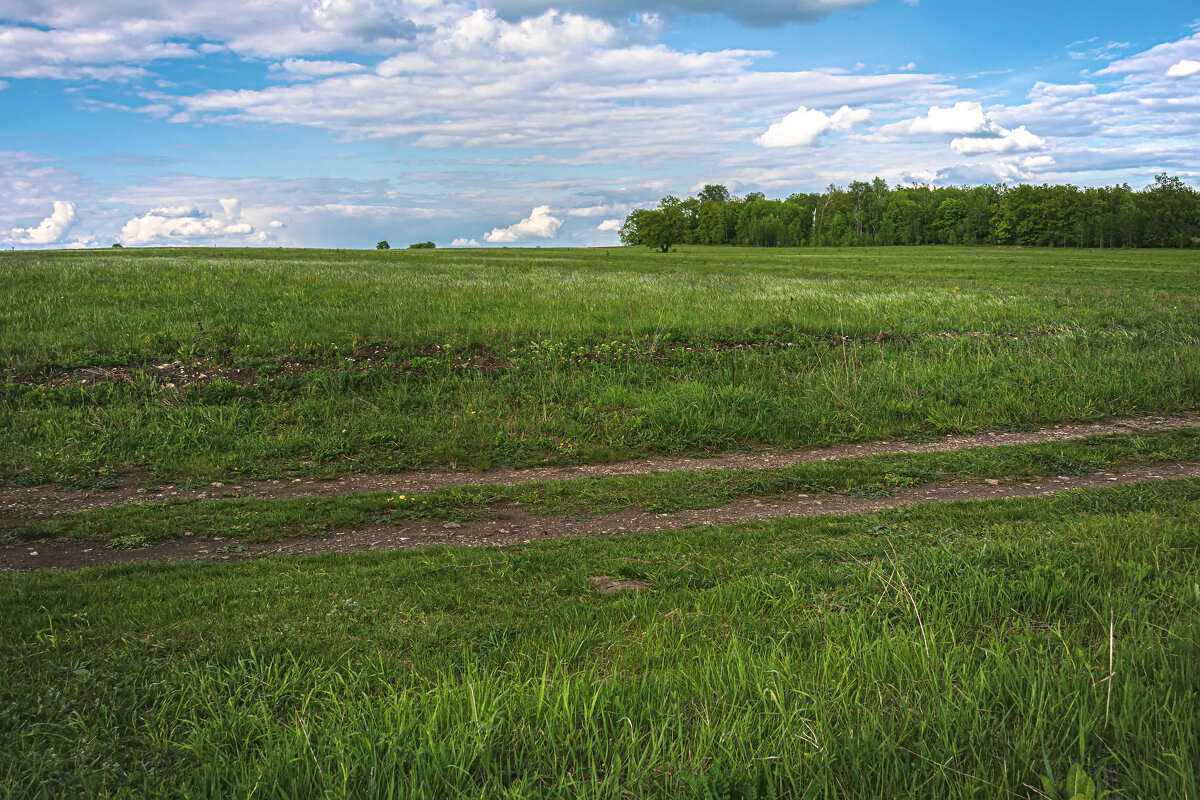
point(518, 527)
point(18, 503)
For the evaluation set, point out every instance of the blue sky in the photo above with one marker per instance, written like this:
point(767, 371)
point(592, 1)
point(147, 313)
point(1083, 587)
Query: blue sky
point(336, 123)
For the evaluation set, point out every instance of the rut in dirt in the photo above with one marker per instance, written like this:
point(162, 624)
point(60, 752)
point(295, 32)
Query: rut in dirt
point(18, 503)
point(514, 526)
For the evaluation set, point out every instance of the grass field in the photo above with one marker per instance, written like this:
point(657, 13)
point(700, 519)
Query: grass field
point(561, 356)
point(1045, 647)
point(973, 650)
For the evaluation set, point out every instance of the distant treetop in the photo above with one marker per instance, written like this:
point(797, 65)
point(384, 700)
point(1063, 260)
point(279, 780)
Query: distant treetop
point(1164, 214)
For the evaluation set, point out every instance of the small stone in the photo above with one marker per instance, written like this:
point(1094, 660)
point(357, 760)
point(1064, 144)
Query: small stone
point(218, 484)
point(452, 525)
point(991, 481)
point(33, 552)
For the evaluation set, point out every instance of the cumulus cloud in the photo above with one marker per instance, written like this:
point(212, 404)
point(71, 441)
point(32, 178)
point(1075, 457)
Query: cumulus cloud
point(185, 223)
point(804, 126)
point(464, 243)
point(539, 224)
point(52, 230)
point(1185, 68)
point(610, 225)
point(1016, 141)
point(962, 118)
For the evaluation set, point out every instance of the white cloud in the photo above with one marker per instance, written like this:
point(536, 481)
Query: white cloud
point(276, 224)
point(175, 223)
point(52, 230)
point(804, 126)
point(610, 225)
point(909, 67)
point(1185, 68)
point(464, 243)
point(303, 68)
point(540, 224)
point(1037, 162)
point(1089, 50)
point(760, 13)
point(962, 118)
point(1016, 141)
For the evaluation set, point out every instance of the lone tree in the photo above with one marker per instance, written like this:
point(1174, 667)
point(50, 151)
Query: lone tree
point(659, 229)
point(383, 245)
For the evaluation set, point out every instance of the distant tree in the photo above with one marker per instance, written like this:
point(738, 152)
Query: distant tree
point(659, 229)
point(383, 245)
point(117, 244)
point(422, 246)
point(713, 193)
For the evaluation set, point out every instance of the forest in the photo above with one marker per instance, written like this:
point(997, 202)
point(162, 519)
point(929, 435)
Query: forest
point(1164, 214)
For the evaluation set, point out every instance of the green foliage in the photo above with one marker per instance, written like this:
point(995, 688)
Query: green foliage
point(383, 245)
point(422, 246)
point(1165, 214)
point(659, 229)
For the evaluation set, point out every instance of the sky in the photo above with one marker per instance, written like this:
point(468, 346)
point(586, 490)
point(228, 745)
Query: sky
point(339, 123)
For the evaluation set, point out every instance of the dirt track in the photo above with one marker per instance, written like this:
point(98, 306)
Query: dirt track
point(40, 501)
point(516, 527)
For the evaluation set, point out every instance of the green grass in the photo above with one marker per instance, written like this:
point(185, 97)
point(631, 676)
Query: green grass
point(1097, 333)
point(949, 651)
point(661, 492)
point(105, 307)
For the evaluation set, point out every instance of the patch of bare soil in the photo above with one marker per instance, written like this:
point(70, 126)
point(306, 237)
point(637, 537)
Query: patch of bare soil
point(41, 501)
point(607, 584)
point(183, 375)
point(516, 527)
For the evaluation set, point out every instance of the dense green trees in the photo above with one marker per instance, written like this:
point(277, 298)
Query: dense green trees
point(1164, 214)
point(673, 222)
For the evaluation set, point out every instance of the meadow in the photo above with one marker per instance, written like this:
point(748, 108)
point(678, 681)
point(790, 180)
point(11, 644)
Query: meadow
point(967, 650)
point(1040, 647)
point(316, 362)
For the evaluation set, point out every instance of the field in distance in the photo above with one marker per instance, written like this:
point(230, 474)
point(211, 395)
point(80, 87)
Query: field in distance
point(209, 365)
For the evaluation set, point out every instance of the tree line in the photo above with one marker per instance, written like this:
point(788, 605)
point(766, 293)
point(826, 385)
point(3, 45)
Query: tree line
point(1164, 214)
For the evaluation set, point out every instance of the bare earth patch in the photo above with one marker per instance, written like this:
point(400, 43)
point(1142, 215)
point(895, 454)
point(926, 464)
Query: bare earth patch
point(42, 501)
point(607, 584)
point(517, 527)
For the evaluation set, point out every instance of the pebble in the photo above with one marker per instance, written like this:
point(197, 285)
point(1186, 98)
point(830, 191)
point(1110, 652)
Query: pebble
point(991, 481)
point(452, 525)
